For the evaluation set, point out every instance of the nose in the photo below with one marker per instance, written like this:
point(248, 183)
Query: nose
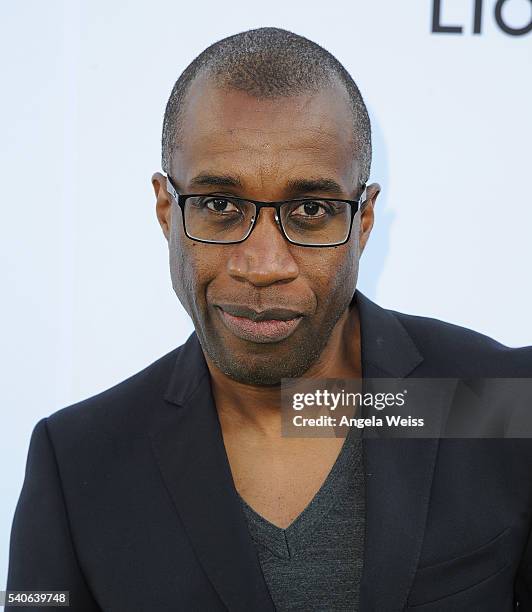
point(265, 257)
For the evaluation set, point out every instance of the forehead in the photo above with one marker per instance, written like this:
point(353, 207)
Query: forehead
point(229, 131)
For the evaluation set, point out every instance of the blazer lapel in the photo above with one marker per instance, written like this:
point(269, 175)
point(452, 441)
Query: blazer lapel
point(189, 449)
point(399, 472)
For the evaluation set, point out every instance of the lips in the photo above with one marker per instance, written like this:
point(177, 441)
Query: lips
point(272, 325)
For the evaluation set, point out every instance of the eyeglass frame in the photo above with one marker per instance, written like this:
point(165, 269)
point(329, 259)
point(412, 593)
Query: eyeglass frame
point(181, 198)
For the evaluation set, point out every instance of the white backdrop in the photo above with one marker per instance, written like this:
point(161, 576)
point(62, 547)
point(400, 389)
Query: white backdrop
point(86, 293)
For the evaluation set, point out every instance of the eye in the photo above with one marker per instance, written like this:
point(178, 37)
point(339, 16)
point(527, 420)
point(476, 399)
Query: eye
point(311, 208)
point(220, 205)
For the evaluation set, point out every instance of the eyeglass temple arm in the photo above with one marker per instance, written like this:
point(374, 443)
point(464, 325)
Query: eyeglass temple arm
point(171, 189)
point(363, 200)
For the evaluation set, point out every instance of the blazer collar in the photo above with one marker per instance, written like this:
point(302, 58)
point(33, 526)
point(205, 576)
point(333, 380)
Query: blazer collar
point(386, 346)
point(189, 371)
point(189, 449)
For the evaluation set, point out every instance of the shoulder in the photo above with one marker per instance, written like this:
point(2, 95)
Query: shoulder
point(124, 406)
point(464, 352)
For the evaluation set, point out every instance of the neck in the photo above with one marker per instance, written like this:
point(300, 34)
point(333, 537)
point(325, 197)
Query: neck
point(258, 408)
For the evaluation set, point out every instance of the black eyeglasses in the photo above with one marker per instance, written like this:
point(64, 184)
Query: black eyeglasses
point(222, 219)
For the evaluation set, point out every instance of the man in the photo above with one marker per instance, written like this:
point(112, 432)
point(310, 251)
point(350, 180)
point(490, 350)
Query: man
point(175, 489)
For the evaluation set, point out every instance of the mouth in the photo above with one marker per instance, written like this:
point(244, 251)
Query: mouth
point(263, 327)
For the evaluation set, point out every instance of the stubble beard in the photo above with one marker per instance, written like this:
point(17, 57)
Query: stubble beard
point(267, 370)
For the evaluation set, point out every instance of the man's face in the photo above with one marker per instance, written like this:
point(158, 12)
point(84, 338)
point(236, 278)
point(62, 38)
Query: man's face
point(235, 144)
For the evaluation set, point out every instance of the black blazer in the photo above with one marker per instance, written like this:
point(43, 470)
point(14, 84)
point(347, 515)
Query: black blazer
point(128, 500)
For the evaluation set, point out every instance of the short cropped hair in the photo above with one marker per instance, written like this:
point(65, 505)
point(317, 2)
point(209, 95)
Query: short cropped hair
point(268, 63)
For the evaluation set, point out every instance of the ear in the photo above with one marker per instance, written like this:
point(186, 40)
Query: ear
point(163, 206)
point(368, 215)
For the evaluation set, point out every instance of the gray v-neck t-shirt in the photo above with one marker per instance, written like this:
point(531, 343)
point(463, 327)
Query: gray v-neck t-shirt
point(315, 564)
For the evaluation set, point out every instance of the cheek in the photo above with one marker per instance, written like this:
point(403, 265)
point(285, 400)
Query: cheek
point(183, 264)
point(192, 267)
point(348, 268)
point(335, 276)
point(180, 278)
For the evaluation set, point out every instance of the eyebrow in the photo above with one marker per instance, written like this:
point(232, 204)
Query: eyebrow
point(314, 185)
point(294, 186)
point(215, 180)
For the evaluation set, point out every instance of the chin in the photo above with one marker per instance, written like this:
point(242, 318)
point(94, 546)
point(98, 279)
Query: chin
point(258, 376)
point(261, 364)
point(263, 370)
